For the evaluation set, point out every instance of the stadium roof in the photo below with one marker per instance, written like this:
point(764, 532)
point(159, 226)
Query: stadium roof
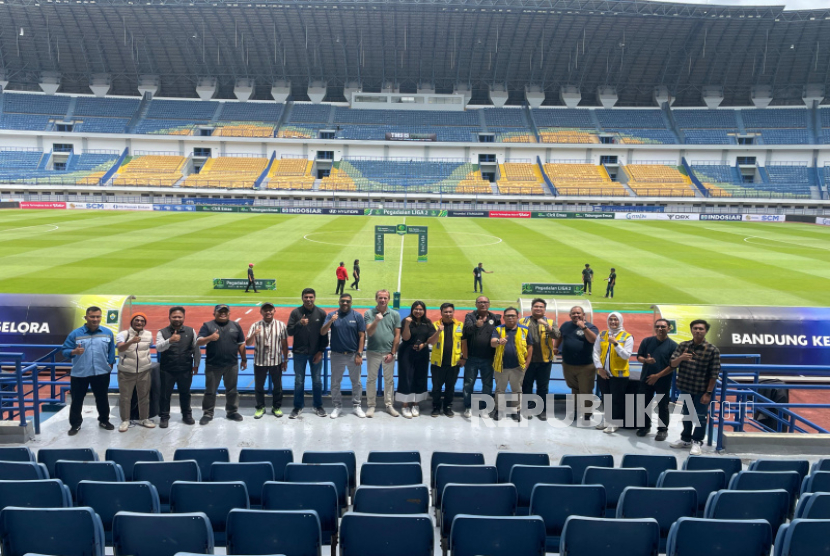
point(632, 45)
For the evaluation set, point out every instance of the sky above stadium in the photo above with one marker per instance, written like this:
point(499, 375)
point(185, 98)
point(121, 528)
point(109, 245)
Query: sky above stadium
point(788, 4)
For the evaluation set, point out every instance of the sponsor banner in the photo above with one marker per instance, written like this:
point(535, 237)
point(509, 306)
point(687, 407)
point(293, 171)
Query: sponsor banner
point(175, 208)
point(780, 335)
point(580, 215)
point(9, 204)
point(509, 214)
point(109, 206)
point(551, 289)
point(764, 218)
point(800, 218)
point(469, 213)
point(683, 216)
point(627, 208)
point(411, 137)
point(404, 212)
point(242, 283)
point(209, 201)
point(42, 205)
point(314, 210)
point(723, 217)
point(346, 212)
point(29, 319)
point(822, 221)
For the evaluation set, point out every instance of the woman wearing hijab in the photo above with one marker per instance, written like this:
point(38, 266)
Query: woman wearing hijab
point(134, 371)
point(612, 349)
point(413, 360)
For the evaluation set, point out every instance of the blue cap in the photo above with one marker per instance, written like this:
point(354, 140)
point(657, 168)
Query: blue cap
point(221, 307)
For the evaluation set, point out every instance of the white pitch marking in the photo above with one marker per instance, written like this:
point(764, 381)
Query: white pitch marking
point(498, 240)
point(27, 227)
point(400, 263)
point(248, 311)
point(780, 241)
point(239, 319)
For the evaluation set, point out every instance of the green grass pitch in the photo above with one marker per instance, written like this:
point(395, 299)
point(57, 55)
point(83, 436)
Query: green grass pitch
point(174, 257)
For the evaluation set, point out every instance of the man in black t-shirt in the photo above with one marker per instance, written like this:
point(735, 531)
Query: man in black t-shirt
point(225, 343)
point(587, 279)
point(477, 272)
point(612, 281)
point(251, 281)
point(655, 354)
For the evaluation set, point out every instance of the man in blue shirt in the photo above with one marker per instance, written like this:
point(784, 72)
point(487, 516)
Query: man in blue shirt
point(348, 330)
point(92, 352)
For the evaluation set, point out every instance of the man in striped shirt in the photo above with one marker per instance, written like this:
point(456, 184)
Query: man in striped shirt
point(270, 337)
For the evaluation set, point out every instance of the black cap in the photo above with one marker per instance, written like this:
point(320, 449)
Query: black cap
point(221, 307)
point(266, 304)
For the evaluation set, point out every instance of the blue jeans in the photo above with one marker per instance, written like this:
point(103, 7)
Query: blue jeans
point(702, 411)
point(300, 360)
point(471, 370)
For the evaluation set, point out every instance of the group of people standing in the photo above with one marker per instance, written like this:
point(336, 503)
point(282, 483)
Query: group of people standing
point(512, 352)
point(588, 280)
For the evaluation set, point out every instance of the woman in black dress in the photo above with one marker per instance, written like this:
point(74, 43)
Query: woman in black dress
point(413, 360)
point(356, 275)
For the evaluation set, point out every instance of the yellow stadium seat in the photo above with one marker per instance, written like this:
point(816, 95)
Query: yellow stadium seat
point(658, 180)
point(151, 170)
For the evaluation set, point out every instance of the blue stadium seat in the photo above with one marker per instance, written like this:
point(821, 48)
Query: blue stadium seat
point(251, 112)
point(215, 500)
point(253, 474)
point(769, 505)
point(16, 453)
point(493, 500)
point(556, 503)
point(452, 458)
point(593, 536)
point(46, 493)
point(73, 472)
point(730, 466)
point(394, 457)
point(665, 505)
point(408, 499)
point(526, 477)
point(817, 481)
point(319, 497)
point(50, 456)
point(71, 531)
point(690, 536)
point(704, 483)
point(205, 457)
point(506, 460)
point(615, 480)
point(22, 471)
point(127, 458)
point(462, 474)
point(278, 458)
point(800, 466)
point(162, 475)
point(137, 534)
point(363, 534)
point(654, 464)
point(803, 537)
point(821, 465)
point(347, 458)
point(295, 533)
point(107, 499)
point(336, 473)
point(472, 535)
point(814, 505)
point(391, 474)
point(581, 462)
point(769, 480)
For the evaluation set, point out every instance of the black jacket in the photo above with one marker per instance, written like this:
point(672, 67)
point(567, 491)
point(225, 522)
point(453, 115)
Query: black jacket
point(307, 339)
point(478, 339)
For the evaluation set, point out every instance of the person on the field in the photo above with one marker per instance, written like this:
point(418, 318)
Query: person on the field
point(612, 350)
point(270, 358)
point(577, 347)
point(134, 374)
point(542, 331)
point(342, 275)
point(179, 358)
point(413, 360)
point(478, 329)
point(449, 353)
point(698, 366)
point(587, 279)
point(477, 272)
point(612, 281)
point(383, 329)
point(304, 325)
point(655, 354)
point(225, 343)
point(251, 281)
point(356, 275)
point(92, 352)
point(514, 351)
point(348, 330)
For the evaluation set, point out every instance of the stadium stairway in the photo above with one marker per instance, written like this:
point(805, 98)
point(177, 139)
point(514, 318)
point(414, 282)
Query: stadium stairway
point(529, 117)
point(70, 111)
point(672, 124)
point(739, 118)
point(218, 113)
point(139, 115)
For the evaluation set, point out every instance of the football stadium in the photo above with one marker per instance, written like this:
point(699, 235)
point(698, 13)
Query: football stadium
point(237, 241)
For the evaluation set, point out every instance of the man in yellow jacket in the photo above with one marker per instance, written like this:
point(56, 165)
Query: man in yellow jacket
point(449, 354)
point(542, 331)
point(514, 350)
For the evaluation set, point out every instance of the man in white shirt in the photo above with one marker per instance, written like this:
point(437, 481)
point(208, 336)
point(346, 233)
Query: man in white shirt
point(270, 338)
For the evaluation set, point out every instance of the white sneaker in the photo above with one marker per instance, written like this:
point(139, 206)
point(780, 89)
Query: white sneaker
point(416, 410)
point(123, 426)
point(468, 414)
point(610, 430)
point(369, 412)
point(147, 423)
point(407, 413)
point(601, 426)
point(680, 445)
point(335, 413)
point(695, 451)
point(392, 411)
point(359, 411)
